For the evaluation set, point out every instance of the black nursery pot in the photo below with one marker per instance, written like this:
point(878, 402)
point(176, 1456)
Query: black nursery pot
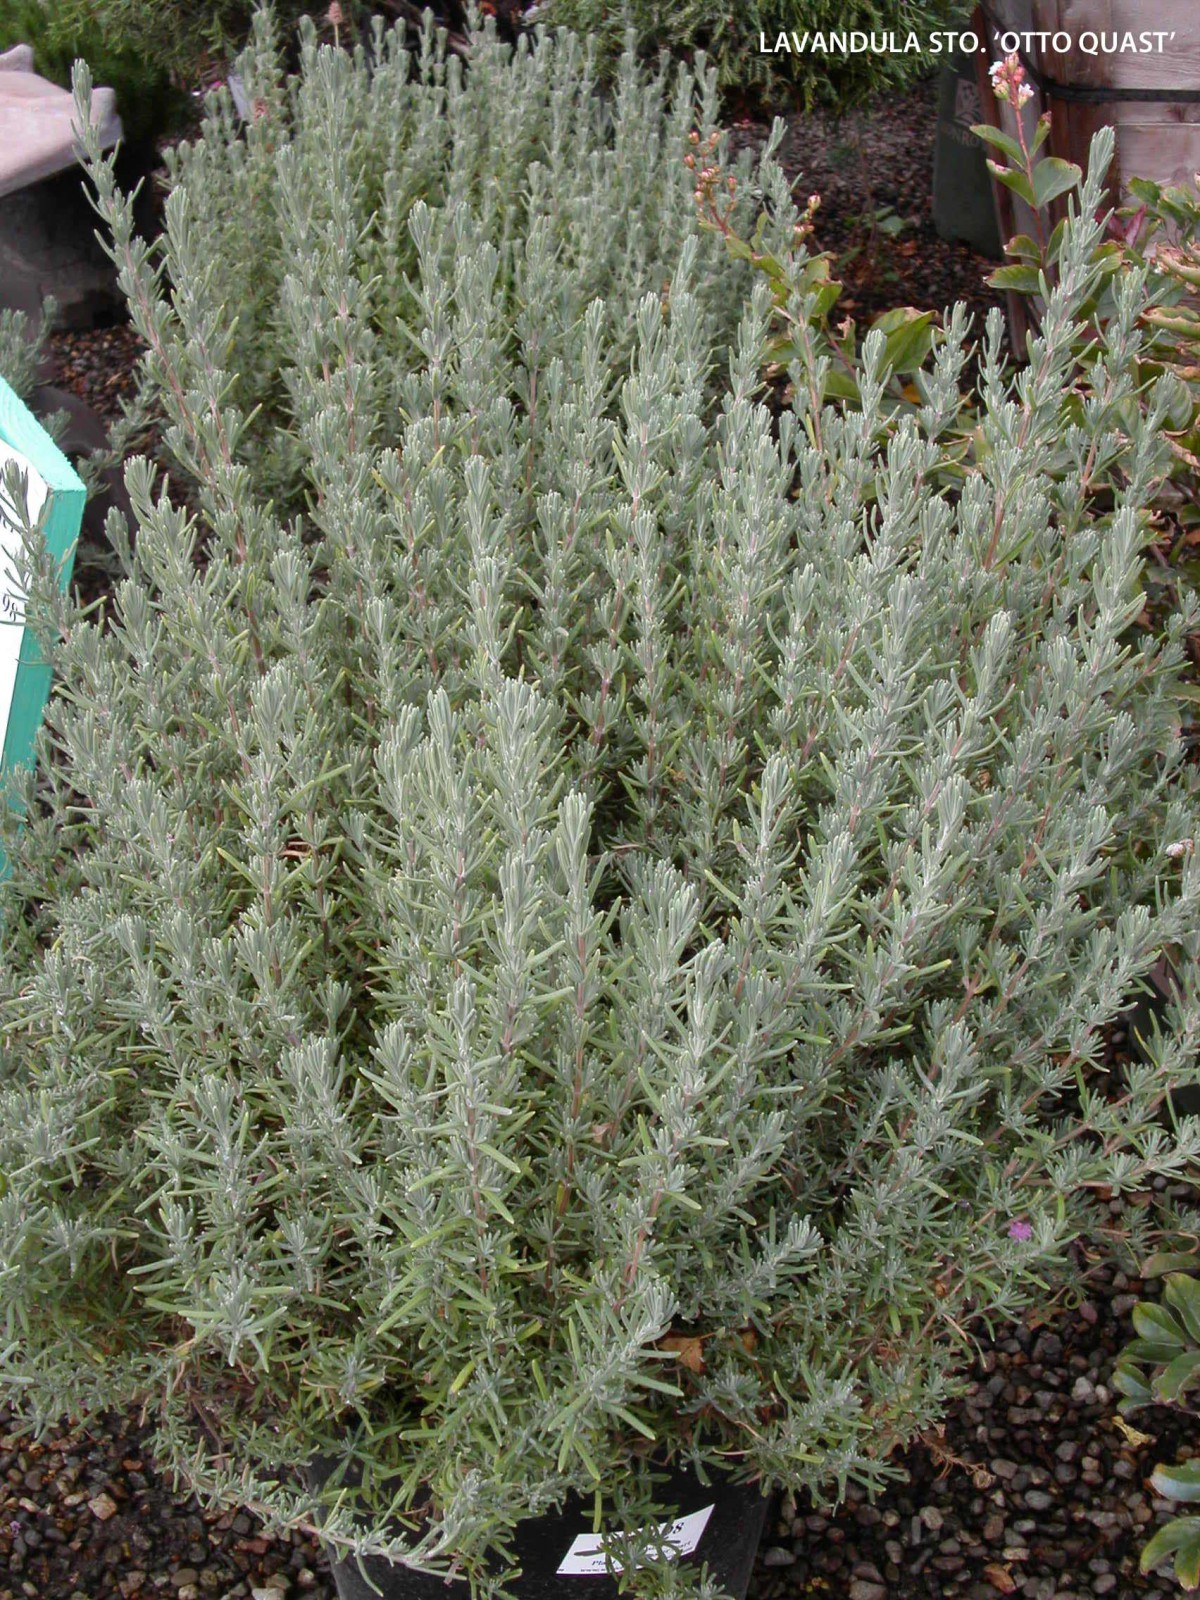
point(718, 1526)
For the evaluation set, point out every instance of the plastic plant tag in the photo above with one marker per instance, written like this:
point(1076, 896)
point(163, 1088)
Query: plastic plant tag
point(54, 497)
point(586, 1556)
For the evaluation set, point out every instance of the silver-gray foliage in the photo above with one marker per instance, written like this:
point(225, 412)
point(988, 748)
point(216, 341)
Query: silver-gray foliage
point(583, 932)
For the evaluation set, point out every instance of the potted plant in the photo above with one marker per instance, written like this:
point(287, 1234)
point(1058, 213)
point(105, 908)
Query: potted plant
point(565, 921)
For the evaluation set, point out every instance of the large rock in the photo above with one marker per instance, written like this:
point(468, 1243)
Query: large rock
point(36, 139)
point(47, 227)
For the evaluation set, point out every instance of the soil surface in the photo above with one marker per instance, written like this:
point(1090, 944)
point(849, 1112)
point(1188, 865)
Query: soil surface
point(873, 169)
point(1034, 1488)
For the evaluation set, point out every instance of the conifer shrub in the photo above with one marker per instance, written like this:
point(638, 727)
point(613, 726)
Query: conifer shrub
point(146, 75)
point(754, 65)
point(568, 917)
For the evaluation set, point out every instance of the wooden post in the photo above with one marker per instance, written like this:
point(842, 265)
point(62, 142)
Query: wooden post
point(54, 496)
point(1073, 123)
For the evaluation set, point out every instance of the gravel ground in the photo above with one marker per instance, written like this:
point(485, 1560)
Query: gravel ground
point(1034, 1489)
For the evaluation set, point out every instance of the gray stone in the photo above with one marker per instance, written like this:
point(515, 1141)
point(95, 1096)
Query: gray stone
point(47, 241)
point(778, 1556)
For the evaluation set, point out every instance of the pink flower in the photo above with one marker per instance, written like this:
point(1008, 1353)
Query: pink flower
point(1008, 81)
point(1018, 1228)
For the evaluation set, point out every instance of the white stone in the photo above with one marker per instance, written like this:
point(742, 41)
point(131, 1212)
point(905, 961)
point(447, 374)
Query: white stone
point(36, 116)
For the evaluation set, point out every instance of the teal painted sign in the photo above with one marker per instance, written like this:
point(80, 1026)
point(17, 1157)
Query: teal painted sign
point(34, 469)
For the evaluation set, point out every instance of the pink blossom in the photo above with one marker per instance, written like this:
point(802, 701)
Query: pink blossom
point(1008, 81)
point(1018, 1228)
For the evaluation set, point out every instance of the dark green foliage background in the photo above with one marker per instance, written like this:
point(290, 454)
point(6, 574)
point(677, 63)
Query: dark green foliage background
point(728, 30)
point(150, 51)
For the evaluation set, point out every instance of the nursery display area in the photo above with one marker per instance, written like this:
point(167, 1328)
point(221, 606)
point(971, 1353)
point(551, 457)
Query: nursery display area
point(599, 902)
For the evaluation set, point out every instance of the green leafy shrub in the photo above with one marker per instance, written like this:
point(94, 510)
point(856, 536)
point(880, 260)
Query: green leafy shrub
point(1155, 235)
point(153, 52)
point(148, 99)
point(730, 36)
point(568, 918)
point(1160, 1366)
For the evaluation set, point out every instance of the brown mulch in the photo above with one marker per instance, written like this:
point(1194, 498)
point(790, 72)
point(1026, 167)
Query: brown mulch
point(871, 160)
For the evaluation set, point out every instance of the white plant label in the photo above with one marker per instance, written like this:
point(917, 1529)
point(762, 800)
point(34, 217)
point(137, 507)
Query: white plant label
point(586, 1559)
point(12, 601)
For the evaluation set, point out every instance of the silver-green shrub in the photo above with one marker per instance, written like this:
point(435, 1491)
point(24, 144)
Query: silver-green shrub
point(22, 347)
point(587, 933)
point(307, 240)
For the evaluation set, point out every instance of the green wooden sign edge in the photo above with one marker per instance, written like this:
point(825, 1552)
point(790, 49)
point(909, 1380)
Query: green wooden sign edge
point(21, 431)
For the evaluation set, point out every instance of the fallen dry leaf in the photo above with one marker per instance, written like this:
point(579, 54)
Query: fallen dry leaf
point(1000, 1578)
point(687, 1348)
point(1136, 1439)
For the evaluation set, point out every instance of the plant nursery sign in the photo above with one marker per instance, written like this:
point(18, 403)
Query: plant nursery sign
point(54, 497)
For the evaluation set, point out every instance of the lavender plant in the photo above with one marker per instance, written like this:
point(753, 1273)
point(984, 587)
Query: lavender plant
point(568, 918)
point(20, 350)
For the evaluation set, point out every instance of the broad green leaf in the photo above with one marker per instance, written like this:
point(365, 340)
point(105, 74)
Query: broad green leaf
point(1024, 279)
point(1051, 177)
point(1022, 245)
point(1157, 1324)
point(1182, 1294)
point(1178, 1482)
point(999, 140)
point(1179, 1376)
point(1142, 189)
point(909, 337)
point(841, 386)
point(1016, 181)
point(1178, 1535)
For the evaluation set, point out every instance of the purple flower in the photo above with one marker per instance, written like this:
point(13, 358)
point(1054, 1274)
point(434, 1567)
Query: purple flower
point(1018, 1228)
